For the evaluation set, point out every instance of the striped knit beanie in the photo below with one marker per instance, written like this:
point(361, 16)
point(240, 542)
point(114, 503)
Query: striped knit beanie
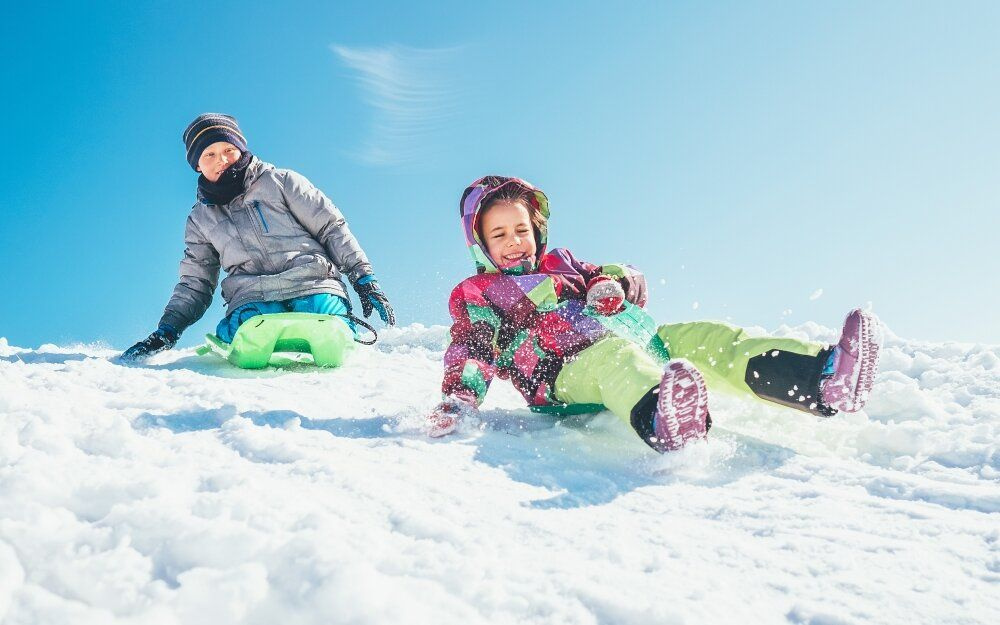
point(209, 128)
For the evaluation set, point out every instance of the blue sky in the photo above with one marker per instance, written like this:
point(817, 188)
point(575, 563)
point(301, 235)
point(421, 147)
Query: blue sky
point(763, 163)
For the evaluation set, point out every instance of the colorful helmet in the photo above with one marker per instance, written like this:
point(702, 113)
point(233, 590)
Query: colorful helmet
point(479, 194)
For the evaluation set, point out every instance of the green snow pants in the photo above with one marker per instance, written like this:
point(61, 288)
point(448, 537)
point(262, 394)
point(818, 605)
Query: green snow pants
point(722, 352)
point(614, 372)
point(618, 373)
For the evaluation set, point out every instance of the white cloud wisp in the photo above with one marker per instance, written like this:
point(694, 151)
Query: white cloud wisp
point(412, 96)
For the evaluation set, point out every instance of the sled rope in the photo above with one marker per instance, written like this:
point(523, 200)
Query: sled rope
point(364, 324)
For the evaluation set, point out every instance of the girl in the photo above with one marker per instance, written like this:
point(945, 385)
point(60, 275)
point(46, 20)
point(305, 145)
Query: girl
point(283, 243)
point(569, 333)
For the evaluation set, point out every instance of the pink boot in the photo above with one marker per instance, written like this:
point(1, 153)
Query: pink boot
point(855, 362)
point(681, 408)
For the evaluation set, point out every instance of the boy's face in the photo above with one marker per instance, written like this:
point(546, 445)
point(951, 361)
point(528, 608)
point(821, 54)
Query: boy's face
point(508, 234)
point(217, 158)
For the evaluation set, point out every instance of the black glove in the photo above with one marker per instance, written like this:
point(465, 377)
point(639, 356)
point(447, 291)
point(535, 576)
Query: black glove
point(372, 298)
point(164, 338)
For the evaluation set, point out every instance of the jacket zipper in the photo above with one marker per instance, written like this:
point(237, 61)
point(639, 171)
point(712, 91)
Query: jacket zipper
point(256, 205)
point(265, 257)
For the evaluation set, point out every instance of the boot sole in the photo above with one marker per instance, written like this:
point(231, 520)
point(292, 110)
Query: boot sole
point(862, 377)
point(682, 407)
point(871, 351)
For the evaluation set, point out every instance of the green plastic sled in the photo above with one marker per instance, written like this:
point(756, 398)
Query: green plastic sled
point(283, 339)
point(567, 410)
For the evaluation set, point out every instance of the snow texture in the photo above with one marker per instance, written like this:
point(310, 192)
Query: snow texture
point(187, 491)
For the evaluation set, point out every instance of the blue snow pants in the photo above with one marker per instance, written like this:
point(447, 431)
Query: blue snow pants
point(321, 303)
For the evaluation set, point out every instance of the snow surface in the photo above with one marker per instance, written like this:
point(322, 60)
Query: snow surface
point(187, 491)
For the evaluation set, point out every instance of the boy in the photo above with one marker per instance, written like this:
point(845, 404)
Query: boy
point(283, 244)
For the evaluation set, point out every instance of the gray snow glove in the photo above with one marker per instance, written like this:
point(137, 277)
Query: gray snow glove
point(372, 298)
point(163, 339)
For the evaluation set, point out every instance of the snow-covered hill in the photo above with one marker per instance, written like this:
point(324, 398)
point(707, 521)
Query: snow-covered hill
point(187, 491)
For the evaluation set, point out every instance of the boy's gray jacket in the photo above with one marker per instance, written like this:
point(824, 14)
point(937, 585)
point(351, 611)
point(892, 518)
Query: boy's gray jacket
point(282, 238)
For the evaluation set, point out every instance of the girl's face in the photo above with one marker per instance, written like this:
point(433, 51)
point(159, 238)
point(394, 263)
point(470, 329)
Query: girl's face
point(508, 234)
point(217, 158)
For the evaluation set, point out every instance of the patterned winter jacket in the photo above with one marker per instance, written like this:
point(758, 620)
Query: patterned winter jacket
point(522, 327)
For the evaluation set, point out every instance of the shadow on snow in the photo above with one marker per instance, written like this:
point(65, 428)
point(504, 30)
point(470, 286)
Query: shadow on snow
point(374, 427)
point(593, 459)
point(44, 358)
point(583, 460)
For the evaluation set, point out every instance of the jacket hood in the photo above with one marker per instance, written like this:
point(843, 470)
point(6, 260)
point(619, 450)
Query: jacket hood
point(479, 194)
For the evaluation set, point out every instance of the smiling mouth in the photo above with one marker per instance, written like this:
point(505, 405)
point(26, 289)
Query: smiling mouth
point(514, 257)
